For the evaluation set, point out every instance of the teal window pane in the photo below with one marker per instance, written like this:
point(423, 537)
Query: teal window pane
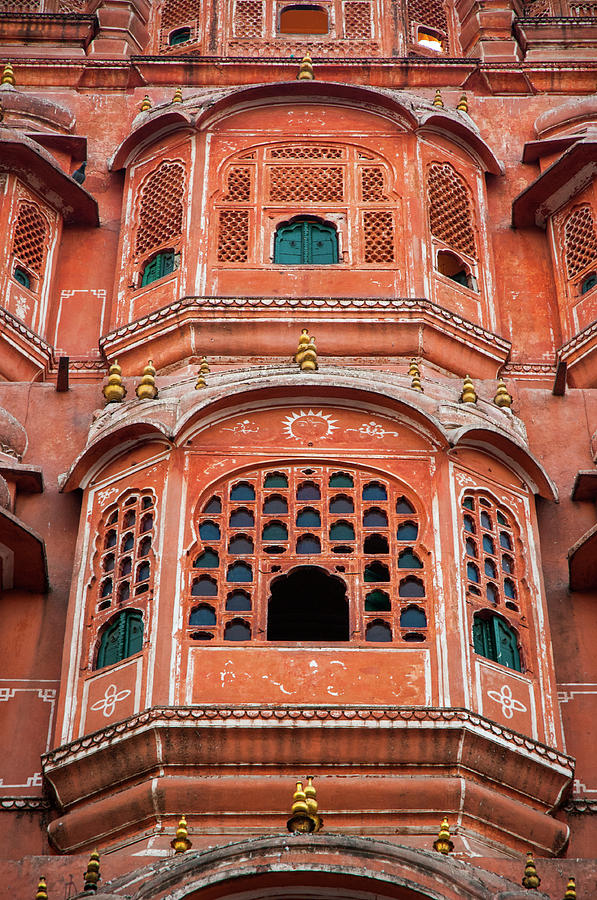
point(158, 267)
point(306, 243)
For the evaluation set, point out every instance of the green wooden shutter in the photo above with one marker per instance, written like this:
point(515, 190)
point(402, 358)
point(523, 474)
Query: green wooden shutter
point(506, 646)
point(322, 244)
point(110, 645)
point(288, 249)
point(133, 634)
point(306, 243)
point(160, 265)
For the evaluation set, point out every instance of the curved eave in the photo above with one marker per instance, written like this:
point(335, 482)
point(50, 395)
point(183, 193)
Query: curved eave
point(108, 446)
point(22, 156)
point(571, 112)
point(30, 569)
point(558, 184)
point(582, 562)
point(464, 135)
point(513, 454)
point(300, 388)
point(154, 127)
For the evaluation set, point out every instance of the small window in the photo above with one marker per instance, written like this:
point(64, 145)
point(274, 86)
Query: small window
point(308, 491)
point(107, 588)
point(275, 480)
point(146, 523)
point(304, 19)
point(237, 630)
point(342, 531)
point(209, 559)
point(376, 571)
point(275, 505)
point(411, 587)
point(202, 615)
point(407, 531)
point(375, 543)
point(242, 518)
point(409, 560)
point(589, 282)
point(179, 36)
point(472, 573)
point(22, 277)
point(453, 268)
point(143, 572)
point(377, 601)
point(429, 39)
point(242, 491)
point(275, 531)
point(468, 503)
point(308, 518)
point(144, 546)
point(341, 504)
point(238, 601)
point(239, 572)
point(129, 518)
point(492, 594)
point(128, 542)
point(374, 491)
point(494, 639)
point(308, 543)
point(471, 548)
point(413, 617)
point(209, 531)
point(108, 563)
point(507, 564)
point(204, 587)
point(486, 520)
point(122, 638)
point(490, 569)
point(306, 243)
point(488, 545)
point(375, 518)
point(469, 525)
point(213, 506)
point(240, 545)
point(509, 589)
point(505, 540)
point(502, 520)
point(378, 632)
point(341, 479)
point(403, 507)
point(161, 265)
point(110, 539)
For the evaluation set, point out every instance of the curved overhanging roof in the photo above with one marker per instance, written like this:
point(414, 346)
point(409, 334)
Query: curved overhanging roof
point(405, 109)
point(559, 183)
point(509, 451)
point(570, 113)
point(29, 565)
point(26, 158)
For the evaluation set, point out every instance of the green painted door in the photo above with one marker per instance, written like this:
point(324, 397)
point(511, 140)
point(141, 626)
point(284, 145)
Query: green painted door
point(306, 243)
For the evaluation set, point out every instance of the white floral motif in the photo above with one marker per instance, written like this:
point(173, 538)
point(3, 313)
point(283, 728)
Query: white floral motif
point(105, 495)
point(373, 429)
point(462, 478)
point(508, 703)
point(244, 427)
point(107, 703)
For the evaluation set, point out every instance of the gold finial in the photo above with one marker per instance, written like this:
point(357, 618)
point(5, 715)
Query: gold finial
point(530, 880)
point(177, 98)
point(300, 821)
point(201, 382)
point(312, 804)
point(114, 391)
point(306, 69)
point(306, 354)
point(415, 375)
point(570, 889)
point(463, 104)
point(502, 398)
point(437, 100)
point(42, 890)
point(92, 875)
point(146, 389)
point(469, 395)
point(443, 844)
point(203, 366)
point(181, 843)
point(8, 75)
point(145, 103)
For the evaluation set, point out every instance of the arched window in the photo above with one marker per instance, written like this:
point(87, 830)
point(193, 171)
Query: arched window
point(179, 22)
point(334, 533)
point(495, 639)
point(580, 240)
point(304, 18)
point(159, 218)
point(161, 265)
point(450, 211)
point(126, 536)
point(454, 268)
point(494, 574)
point(123, 637)
point(29, 244)
point(306, 242)
point(179, 36)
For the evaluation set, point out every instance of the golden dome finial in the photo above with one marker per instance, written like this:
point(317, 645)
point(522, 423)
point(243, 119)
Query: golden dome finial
point(442, 843)
point(114, 391)
point(463, 104)
point(145, 103)
point(306, 354)
point(92, 875)
point(312, 805)
point(468, 395)
point(181, 843)
point(300, 821)
point(570, 889)
point(42, 889)
point(437, 100)
point(305, 72)
point(415, 375)
point(502, 398)
point(204, 366)
point(146, 389)
point(530, 879)
point(177, 98)
point(201, 382)
point(8, 75)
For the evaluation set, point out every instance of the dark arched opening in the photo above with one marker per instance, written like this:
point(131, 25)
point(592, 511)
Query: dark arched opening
point(308, 604)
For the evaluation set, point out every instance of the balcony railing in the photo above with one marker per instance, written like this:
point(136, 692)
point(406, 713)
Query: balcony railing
point(547, 9)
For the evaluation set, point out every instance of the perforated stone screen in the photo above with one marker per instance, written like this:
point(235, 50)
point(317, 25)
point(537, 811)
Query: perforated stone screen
point(450, 214)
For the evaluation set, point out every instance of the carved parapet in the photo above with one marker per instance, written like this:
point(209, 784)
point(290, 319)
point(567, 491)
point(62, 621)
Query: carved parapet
point(486, 29)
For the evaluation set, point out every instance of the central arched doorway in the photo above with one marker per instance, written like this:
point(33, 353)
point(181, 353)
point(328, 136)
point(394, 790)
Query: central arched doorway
point(308, 604)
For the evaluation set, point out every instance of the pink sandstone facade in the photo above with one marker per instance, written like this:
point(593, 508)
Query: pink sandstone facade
point(374, 563)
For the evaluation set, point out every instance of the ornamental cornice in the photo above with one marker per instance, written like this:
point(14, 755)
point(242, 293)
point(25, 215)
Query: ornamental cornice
point(24, 804)
point(578, 806)
point(295, 716)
